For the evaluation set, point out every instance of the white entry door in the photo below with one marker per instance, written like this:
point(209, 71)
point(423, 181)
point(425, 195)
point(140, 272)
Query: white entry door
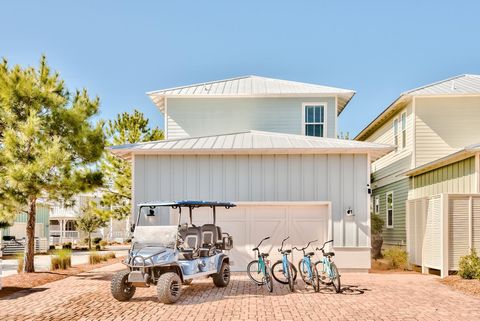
point(249, 224)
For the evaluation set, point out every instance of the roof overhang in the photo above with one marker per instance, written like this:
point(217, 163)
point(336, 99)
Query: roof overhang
point(343, 99)
point(259, 143)
point(462, 154)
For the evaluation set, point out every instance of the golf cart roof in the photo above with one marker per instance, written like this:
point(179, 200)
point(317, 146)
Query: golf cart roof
point(187, 203)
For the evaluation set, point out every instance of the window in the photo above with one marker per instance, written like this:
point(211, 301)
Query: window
point(314, 120)
point(389, 210)
point(404, 129)
point(395, 132)
point(376, 206)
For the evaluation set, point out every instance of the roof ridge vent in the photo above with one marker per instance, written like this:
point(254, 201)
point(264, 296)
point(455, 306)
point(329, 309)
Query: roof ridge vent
point(453, 85)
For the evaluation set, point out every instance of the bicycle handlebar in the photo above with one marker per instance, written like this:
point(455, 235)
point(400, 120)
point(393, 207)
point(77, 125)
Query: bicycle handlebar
point(268, 237)
point(303, 249)
point(281, 248)
point(323, 246)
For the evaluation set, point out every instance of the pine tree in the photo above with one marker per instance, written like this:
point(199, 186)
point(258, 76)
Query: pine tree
point(125, 129)
point(48, 143)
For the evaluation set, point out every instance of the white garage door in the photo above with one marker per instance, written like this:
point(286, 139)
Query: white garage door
point(248, 224)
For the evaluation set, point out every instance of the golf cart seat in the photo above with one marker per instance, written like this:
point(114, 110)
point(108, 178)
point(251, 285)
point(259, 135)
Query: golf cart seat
point(209, 235)
point(191, 242)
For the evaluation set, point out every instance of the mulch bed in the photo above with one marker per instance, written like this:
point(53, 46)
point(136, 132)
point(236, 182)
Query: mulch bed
point(24, 281)
point(471, 287)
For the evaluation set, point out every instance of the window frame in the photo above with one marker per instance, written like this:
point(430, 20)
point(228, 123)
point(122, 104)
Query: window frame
point(304, 123)
point(403, 127)
point(386, 210)
point(395, 133)
point(376, 202)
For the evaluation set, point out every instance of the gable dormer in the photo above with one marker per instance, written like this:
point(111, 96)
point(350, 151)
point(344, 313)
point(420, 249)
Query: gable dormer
point(251, 103)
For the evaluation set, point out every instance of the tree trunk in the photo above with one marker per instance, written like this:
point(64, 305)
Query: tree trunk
point(377, 242)
point(89, 241)
point(28, 265)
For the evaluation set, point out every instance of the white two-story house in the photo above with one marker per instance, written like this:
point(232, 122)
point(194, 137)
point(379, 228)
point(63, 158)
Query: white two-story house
point(271, 147)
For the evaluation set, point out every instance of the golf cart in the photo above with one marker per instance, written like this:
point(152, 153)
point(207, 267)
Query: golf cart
point(171, 255)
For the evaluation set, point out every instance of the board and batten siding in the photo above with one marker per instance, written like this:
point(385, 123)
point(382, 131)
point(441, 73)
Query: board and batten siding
point(456, 178)
point(397, 234)
point(192, 117)
point(340, 179)
point(445, 125)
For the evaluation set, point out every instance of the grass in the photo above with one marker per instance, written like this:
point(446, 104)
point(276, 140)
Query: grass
point(96, 257)
point(61, 259)
point(20, 261)
point(397, 257)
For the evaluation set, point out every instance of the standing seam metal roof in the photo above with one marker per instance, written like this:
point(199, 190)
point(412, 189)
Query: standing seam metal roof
point(251, 86)
point(252, 142)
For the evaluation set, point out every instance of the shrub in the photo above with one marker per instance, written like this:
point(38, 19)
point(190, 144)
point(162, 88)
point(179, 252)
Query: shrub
point(377, 223)
point(469, 266)
point(61, 259)
point(397, 257)
point(20, 261)
point(109, 255)
point(98, 247)
point(67, 245)
point(96, 240)
point(95, 257)
point(52, 247)
point(103, 243)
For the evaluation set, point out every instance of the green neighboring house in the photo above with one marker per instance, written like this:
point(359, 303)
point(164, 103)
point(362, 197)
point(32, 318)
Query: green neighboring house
point(18, 229)
point(427, 125)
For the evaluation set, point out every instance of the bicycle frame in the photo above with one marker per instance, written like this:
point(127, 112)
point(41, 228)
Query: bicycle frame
point(307, 262)
point(326, 262)
point(285, 262)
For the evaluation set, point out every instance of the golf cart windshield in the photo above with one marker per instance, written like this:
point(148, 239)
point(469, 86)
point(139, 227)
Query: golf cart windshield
point(165, 236)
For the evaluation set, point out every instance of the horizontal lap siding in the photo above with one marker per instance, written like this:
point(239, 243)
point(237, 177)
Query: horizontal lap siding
point(444, 125)
point(42, 217)
point(210, 116)
point(341, 179)
point(397, 234)
point(459, 178)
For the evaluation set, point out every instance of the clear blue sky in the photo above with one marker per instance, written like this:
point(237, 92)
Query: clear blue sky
point(119, 50)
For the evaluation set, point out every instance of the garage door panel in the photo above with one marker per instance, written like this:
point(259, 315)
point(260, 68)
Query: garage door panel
point(249, 224)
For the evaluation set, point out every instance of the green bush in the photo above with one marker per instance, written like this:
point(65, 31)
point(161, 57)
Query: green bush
point(61, 259)
point(103, 243)
point(20, 261)
point(397, 257)
point(95, 257)
point(96, 240)
point(469, 266)
point(67, 245)
point(377, 223)
point(98, 247)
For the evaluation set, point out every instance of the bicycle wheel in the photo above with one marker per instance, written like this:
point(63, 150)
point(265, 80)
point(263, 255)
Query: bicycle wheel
point(278, 273)
point(323, 276)
point(303, 271)
point(291, 280)
point(315, 278)
point(269, 282)
point(255, 273)
point(335, 278)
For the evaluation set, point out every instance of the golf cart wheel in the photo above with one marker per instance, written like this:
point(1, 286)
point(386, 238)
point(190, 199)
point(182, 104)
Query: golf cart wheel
point(169, 288)
point(120, 288)
point(222, 278)
point(187, 282)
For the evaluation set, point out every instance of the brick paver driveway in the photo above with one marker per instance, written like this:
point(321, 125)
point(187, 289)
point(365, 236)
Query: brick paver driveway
point(366, 297)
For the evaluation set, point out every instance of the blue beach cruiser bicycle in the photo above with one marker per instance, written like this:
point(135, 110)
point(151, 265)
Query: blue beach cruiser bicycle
point(327, 270)
point(283, 270)
point(307, 269)
point(259, 270)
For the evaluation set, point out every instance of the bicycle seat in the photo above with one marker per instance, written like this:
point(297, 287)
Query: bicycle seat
point(264, 254)
point(310, 253)
point(329, 254)
point(286, 251)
